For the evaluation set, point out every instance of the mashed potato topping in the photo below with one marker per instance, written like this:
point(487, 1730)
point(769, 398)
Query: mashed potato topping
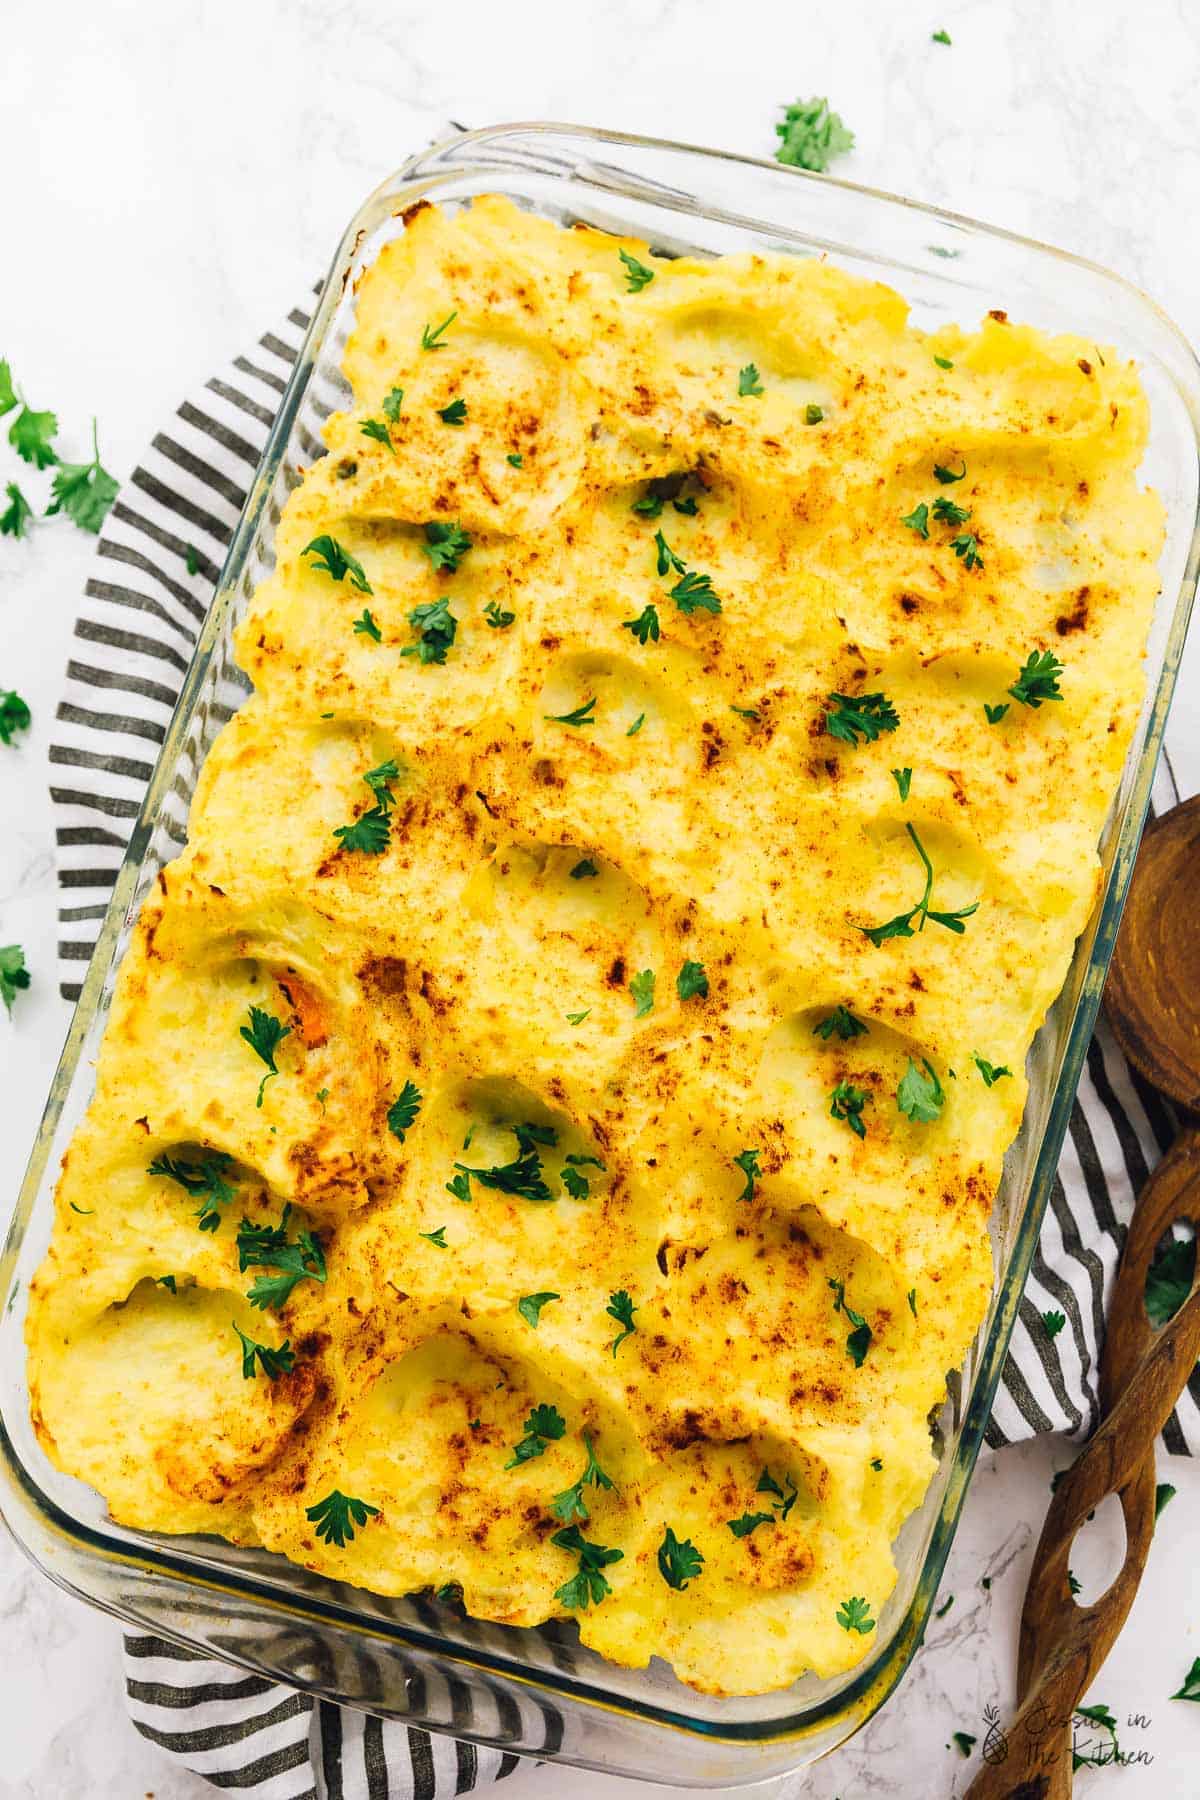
point(545, 1133)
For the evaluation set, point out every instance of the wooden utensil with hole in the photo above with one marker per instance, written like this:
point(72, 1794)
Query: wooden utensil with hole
point(1153, 1003)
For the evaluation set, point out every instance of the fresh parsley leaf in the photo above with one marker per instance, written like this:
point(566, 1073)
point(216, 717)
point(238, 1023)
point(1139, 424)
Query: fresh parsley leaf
point(264, 1034)
point(528, 1134)
point(497, 616)
point(589, 1586)
point(911, 1297)
point(962, 1739)
point(621, 1308)
point(522, 1177)
point(649, 505)
point(445, 544)
point(544, 1425)
point(454, 414)
point(1191, 1684)
point(991, 1074)
point(1038, 679)
point(943, 37)
point(995, 713)
point(966, 548)
point(694, 593)
point(585, 1162)
point(366, 626)
point(902, 926)
point(749, 1522)
point(747, 1162)
point(17, 513)
point(376, 429)
point(516, 459)
point(169, 1282)
point(582, 715)
point(370, 833)
point(645, 626)
point(846, 1102)
point(14, 716)
point(337, 1515)
point(948, 512)
point(859, 718)
point(460, 1186)
point(436, 627)
point(84, 491)
point(637, 275)
point(530, 1306)
point(679, 1561)
point(689, 506)
point(434, 339)
point(402, 1113)
point(1169, 1278)
point(30, 434)
point(577, 1018)
point(692, 980)
point(576, 1184)
point(859, 1340)
point(855, 1615)
point(943, 1610)
point(813, 414)
point(328, 555)
point(811, 136)
point(1053, 1322)
point(747, 712)
point(204, 1180)
point(8, 393)
point(380, 780)
point(570, 1504)
point(584, 867)
point(842, 1022)
point(782, 1501)
point(749, 386)
point(1163, 1494)
point(667, 560)
point(393, 401)
point(273, 1363)
point(917, 520)
point(642, 989)
point(267, 1246)
point(636, 726)
point(437, 1237)
point(920, 1096)
point(943, 362)
point(946, 476)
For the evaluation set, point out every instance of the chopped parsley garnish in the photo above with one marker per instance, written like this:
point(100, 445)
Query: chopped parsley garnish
point(402, 1112)
point(1191, 1684)
point(544, 1425)
point(521, 1177)
point(365, 626)
point(1053, 1322)
point(855, 1615)
point(577, 1018)
point(693, 592)
point(16, 514)
point(575, 1182)
point(813, 414)
point(859, 1340)
point(692, 980)
point(963, 1740)
point(328, 554)
point(946, 476)
point(435, 626)
point(169, 1282)
point(30, 434)
point(337, 1515)
point(1164, 1493)
point(460, 1187)
point(749, 1522)
point(943, 362)
point(679, 1561)
point(393, 401)
point(645, 627)
point(667, 560)
point(434, 338)
point(267, 1247)
point(649, 506)
point(689, 506)
point(917, 520)
point(193, 560)
point(454, 414)
point(846, 1103)
point(902, 924)
point(582, 715)
point(621, 1308)
point(911, 1297)
point(903, 781)
point(747, 1162)
point(842, 1022)
point(966, 548)
point(749, 386)
point(636, 726)
point(1038, 679)
point(264, 1034)
point(378, 430)
point(948, 512)
point(920, 1096)
point(84, 491)
point(1169, 1279)
point(859, 718)
point(991, 1074)
point(516, 459)
point(570, 1504)
point(637, 275)
point(943, 37)
point(437, 1237)
point(584, 867)
point(370, 832)
point(8, 393)
point(782, 1501)
point(273, 1363)
point(811, 136)
point(14, 715)
point(497, 616)
point(205, 1180)
point(642, 989)
point(530, 1306)
point(995, 713)
point(747, 712)
point(445, 544)
point(589, 1586)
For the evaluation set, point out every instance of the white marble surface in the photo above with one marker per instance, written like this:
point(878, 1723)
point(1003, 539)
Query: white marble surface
point(174, 177)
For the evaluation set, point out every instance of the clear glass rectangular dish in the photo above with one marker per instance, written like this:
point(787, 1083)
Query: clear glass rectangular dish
point(536, 1691)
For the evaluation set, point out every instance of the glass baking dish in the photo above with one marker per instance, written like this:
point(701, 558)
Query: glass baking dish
point(536, 1691)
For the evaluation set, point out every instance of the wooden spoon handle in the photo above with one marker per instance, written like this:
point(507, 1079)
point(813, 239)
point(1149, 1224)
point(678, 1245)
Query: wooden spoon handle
point(1063, 1645)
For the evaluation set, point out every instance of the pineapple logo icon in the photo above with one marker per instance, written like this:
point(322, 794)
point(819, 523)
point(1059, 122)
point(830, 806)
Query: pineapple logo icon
point(995, 1744)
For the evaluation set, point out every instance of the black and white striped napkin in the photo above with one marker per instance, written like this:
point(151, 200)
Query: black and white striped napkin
point(156, 566)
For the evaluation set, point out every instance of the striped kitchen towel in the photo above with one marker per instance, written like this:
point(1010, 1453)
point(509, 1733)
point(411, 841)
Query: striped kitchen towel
point(156, 565)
